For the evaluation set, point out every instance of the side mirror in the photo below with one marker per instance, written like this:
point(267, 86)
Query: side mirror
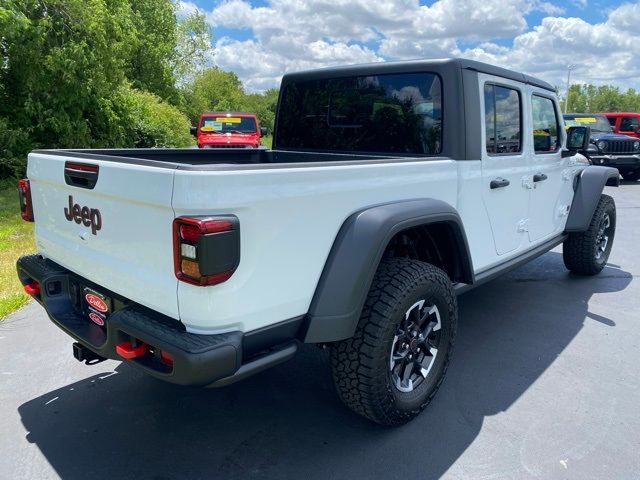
point(637, 129)
point(194, 131)
point(263, 131)
point(577, 139)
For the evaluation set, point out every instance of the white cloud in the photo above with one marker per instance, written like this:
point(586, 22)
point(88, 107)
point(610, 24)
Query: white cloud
point(579, 3)
point(261, 68)
point(299, 34)
point(603, 52)
point(550, 8)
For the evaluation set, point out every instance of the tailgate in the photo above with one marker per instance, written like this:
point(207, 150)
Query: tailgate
point(122, 240)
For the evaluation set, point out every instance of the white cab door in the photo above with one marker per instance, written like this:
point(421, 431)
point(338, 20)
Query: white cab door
point(504, 163)
point(550, 178)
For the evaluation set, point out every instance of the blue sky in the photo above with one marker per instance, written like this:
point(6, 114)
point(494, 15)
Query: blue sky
point(261, 40)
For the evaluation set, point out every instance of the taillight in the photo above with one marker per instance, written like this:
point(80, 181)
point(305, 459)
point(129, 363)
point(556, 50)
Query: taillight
point(206, 250)
point(24, 192)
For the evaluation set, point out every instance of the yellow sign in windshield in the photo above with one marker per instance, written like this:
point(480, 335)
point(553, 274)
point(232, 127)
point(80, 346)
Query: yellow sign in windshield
point(228, 119)
point(585, 119)
point(541, 133)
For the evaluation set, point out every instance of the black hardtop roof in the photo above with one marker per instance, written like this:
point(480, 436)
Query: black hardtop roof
point(413, 65)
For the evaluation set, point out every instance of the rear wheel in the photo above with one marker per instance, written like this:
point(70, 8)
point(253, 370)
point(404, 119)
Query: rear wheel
point(394, 364)
point(586, 253)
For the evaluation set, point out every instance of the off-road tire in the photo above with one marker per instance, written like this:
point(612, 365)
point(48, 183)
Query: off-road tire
point(361, 364)
point(631, 175)
point(580, 248)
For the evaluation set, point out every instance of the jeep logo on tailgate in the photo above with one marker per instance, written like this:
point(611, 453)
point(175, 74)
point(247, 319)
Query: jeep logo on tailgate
point(89, 217)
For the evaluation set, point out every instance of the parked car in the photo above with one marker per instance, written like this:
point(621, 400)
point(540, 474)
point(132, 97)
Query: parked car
point(391, 188)
point(625, 123)
point(228, 130)
point(608, 148)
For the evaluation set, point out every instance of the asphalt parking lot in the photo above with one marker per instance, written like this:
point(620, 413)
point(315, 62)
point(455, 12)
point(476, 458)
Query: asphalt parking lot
point(544, 384)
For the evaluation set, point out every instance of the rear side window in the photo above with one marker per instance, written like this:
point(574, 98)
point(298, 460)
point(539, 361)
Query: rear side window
point(629, 124)
point(502, 119)
point(396, 113)
point(545, 125)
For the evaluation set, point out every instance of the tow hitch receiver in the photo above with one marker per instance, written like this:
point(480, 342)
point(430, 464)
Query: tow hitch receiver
point(83, 354)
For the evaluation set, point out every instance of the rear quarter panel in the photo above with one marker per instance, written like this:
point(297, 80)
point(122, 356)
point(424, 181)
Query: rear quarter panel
point(289, 218)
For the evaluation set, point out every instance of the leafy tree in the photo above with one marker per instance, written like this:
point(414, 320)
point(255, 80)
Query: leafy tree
point(217, 90)
point(193, 49)
point(108, 73)
point(62, 59)
point(153, 52)
point(69, 70)
point(602, 98)
point(152, 122)
point(264, 105)
point(11, 141)
point(213, 90)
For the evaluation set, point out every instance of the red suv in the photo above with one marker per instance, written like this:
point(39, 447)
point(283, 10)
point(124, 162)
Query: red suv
point(626, 123)
point(228, 130)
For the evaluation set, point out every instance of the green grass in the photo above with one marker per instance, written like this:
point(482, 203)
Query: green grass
point(266, 141)
point(16, 238)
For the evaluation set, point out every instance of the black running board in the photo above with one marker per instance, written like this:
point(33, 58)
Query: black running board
point(493, 272)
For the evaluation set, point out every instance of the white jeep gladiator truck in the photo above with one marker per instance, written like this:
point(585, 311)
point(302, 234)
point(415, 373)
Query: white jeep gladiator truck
point(390, 189)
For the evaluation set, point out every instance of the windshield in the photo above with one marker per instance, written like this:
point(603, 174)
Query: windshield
point(224, 124)
point(598, 123)
point(395, 113)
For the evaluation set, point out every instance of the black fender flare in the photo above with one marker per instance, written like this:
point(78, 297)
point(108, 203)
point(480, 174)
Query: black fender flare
point(354, 258)
point(588, 188)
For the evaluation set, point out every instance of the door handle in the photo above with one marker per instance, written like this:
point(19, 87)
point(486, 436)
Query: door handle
point(499, 183)
point(539, 177)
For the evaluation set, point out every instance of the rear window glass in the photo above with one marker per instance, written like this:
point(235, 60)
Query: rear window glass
point(598, 123)
point(223, 124)
point(381, 113)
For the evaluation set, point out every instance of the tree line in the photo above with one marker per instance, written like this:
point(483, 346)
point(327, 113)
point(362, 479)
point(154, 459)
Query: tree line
point(108, 73)
point(602, 98)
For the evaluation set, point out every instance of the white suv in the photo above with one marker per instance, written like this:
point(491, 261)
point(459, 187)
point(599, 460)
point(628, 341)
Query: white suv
point(390, 189)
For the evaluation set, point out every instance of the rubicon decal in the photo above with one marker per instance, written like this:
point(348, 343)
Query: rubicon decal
point(97, 319)
point(96, 302)
point(89, 217)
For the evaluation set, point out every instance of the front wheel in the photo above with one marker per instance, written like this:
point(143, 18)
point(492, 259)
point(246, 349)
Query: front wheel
point(631, 175)
point(586, 253)
point(395, 362)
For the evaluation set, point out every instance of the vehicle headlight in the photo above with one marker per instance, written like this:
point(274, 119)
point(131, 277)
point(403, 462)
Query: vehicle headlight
point(592, 148)
point(602, 145)
point(636, 145)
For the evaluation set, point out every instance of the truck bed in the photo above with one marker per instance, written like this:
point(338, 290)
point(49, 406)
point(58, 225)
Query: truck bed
point(196, 159)
point(290, 206)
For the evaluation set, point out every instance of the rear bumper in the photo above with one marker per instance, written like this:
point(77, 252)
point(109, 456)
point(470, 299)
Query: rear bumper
point(228, 145)
point(206, 360)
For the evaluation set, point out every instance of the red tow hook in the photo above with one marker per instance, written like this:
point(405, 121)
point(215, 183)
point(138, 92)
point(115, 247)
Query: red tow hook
point(128, 351)
point(32, 288)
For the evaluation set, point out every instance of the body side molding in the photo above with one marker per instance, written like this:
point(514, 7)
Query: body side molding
point(590, 184)
point(354, 258)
